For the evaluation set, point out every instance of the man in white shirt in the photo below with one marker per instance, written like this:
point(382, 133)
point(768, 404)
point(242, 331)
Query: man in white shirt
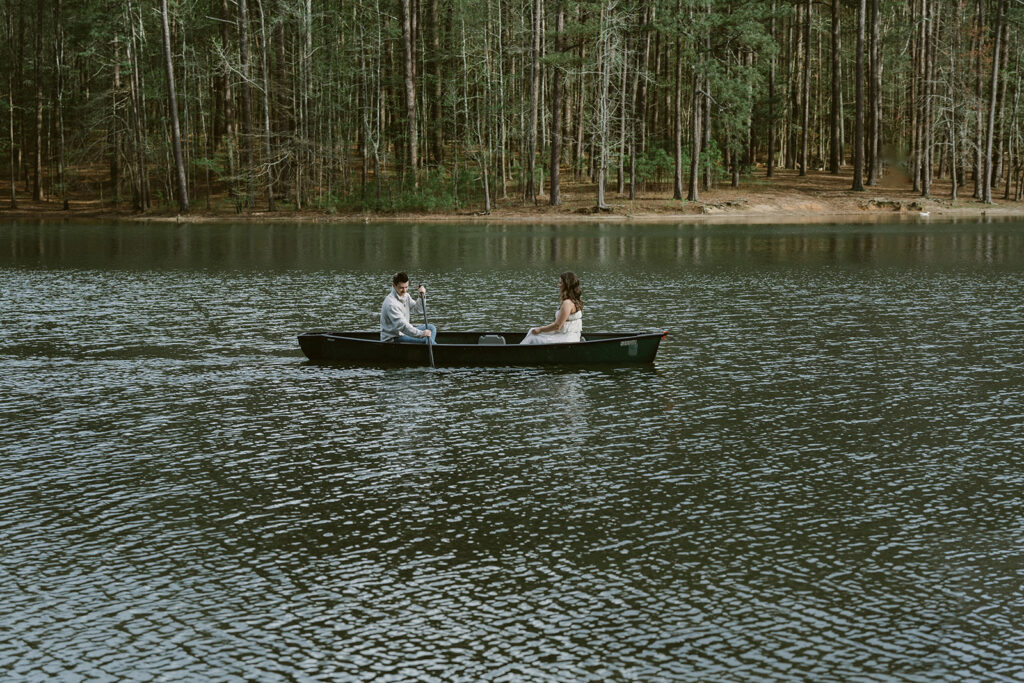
point(395, 312)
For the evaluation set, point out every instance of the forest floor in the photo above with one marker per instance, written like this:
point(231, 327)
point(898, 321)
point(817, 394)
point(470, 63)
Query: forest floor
point(819, 197)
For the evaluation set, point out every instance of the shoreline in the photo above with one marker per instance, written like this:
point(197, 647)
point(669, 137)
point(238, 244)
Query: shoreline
point(785, 198)
point(76, 215)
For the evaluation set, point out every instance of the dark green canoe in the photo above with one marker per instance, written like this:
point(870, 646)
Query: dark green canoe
point(483, 348)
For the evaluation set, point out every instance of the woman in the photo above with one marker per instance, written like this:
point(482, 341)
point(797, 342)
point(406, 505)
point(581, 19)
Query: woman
point(568, 321)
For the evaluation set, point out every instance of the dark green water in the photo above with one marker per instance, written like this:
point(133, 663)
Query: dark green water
point(819, 479)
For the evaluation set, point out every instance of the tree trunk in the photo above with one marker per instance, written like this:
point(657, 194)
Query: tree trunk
point(793, 86)
point(693, 193)
point(750, 160)
point(925, 135)
point(772, 133)
point(266, 107)
point(556, 113)
point(1000, 141)
point(10, 103)
point(624, 86)
point(603, 112)
point(228, 100)
point(642, 75)
point(115, 126)
point(635, 123)
point(138, 119)
point(530, 190)
point(954, 154)
point(990, 131)
point(437, 136)
point(410, 88)
point(19, 79)
point(483, 149)
point(913, 97)
point(243, 49)
point(37, 184)
point(1012, 142)
point(172, 109)
point(62, 179)
point(580, 117)
point(805, 120)
point(979, 98)
point(677, 176)
point(858, 143)
point(708, 171)
point(875, 135)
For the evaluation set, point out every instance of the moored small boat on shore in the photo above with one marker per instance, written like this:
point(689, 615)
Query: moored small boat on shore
point(483, 348)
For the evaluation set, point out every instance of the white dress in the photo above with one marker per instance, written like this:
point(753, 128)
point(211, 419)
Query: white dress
point(570, 332)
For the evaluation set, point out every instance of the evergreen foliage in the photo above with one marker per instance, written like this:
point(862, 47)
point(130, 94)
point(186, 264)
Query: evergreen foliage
point(643, 85)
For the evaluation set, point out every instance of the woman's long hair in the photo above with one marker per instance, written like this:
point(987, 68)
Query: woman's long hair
point(569, 287)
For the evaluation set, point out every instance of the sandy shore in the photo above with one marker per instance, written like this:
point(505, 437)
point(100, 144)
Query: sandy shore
point(785, 198)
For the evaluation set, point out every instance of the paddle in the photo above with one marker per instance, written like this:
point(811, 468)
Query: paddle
point(426, 322)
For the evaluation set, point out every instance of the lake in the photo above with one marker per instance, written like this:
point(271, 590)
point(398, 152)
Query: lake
point(819, 479)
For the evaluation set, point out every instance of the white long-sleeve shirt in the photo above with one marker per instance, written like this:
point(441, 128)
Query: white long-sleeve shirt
point(394, 316)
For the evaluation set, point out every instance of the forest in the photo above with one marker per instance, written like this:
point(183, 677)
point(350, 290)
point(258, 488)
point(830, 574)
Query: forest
point(431, 105)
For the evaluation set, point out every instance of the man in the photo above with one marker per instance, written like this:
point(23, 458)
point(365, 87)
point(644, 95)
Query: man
point(394, 314)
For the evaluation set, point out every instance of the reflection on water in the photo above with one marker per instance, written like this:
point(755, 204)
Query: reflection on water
point(818, 480)
point(497, 246)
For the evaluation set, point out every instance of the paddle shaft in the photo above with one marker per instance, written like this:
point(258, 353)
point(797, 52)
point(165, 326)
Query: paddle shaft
point(426, 322)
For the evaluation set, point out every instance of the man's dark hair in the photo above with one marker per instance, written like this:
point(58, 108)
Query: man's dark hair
point(399, 277)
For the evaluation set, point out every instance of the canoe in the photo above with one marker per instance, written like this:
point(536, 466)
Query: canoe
point(483, 348)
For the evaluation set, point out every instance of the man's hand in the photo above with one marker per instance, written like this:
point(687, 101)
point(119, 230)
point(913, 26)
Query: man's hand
point(422, 289)
point(426, 333)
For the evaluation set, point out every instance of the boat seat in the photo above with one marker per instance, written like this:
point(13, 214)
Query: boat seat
point(491, 339)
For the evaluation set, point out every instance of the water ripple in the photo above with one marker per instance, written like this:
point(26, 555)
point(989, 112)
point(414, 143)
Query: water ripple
point(819, 479)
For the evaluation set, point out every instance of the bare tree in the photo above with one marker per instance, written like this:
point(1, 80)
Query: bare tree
point(954, 153)
point(1011, 147)
point(924, 128)
point(697, 104)
point(770, 171)
point(142, 194)
point(437, 133)
point(245, 59)
point(58, 45)
point(172, 106)
point(677, 176)
point(875, 134)
point(990, 131)
point(835, 149)
point(858, 139)
point(805, 119)
point(979, 97)
point(502, 128)
point(530, 189)
point(9, 25)
point(115, 124)
point(623, 91)
point(37, 184)
point(227, 100)
point(266, 107)
point(556, 112)
point(480, 149)
point(410, 88)
point(609, 43)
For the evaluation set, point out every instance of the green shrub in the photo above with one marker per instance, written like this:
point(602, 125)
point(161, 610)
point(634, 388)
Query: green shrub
point(437, 190)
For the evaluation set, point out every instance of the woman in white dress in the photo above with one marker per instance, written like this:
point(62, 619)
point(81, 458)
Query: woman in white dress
point(568, 323)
